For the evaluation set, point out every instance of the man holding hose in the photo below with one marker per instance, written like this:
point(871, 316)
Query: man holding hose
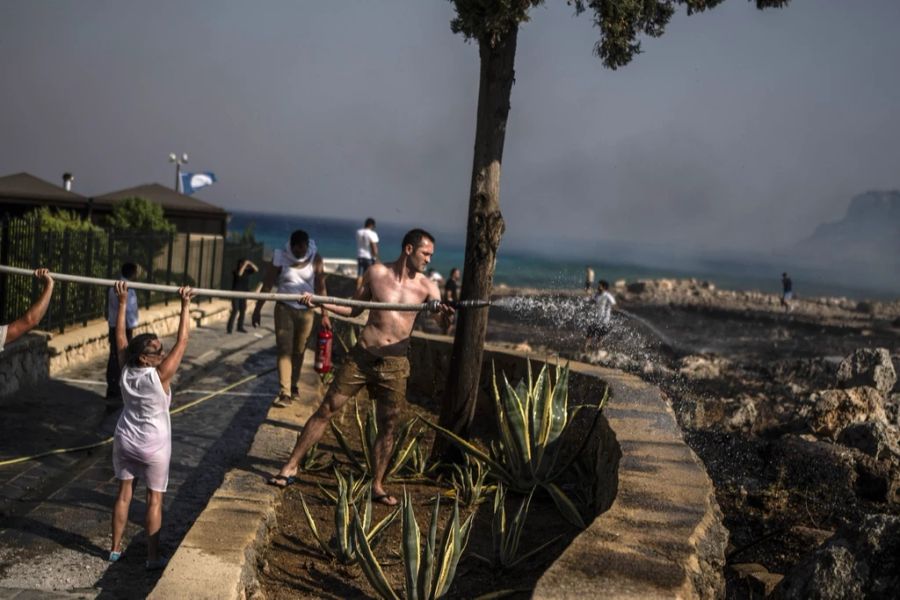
point(378, 361)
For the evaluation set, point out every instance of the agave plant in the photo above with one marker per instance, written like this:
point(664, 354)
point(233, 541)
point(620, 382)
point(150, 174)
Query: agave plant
point(428, 571)
point(507, 535)
point(314, 460)
point(532, 419)
point(343, 545)
point(469, 482)
point(404, 443)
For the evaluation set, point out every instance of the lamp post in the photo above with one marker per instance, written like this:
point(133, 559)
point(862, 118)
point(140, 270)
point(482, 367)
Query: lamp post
point(178, 160)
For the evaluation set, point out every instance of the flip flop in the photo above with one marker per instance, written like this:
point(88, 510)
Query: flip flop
point(288, 481)
point(385, 499)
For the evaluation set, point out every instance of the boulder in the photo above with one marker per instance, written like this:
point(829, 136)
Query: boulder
point(828, 412)
point(870, 367)
point(636, 287)
point(892, 409)
point(701, 367)
point(861, 561)
point(875, 438)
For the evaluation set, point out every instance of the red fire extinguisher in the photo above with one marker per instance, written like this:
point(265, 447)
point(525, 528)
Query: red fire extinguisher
point(323, 351)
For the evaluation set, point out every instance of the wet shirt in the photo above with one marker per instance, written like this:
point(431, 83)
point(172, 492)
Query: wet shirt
point(294, 280)
point(144, 427)
point(604, 301)
point(787, 285)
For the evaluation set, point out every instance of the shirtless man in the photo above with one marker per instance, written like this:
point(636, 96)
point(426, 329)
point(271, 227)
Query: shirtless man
point(378, 361)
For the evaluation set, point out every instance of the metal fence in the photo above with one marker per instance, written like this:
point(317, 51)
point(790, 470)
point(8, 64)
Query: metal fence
point(170, 259)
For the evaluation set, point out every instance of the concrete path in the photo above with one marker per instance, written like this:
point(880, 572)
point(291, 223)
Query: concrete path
point(55, 512)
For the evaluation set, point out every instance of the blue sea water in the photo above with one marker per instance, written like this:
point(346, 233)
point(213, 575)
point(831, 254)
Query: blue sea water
point(336, 239)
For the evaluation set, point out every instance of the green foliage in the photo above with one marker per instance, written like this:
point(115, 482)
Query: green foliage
point(247, 237)
point(532, 419)
point(59, 221)
point(621, 22)
point(506, 536)
point(405, 443)
point(343, 545)
point(428, 571)
point(314, 460)
point(469, 482)
point(138, 214)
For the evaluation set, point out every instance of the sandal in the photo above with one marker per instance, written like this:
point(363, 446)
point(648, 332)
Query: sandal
point(385, 499)
point(282, 401)
point(286, 481)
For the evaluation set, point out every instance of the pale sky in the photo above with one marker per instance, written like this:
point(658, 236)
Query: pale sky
point(737, 128)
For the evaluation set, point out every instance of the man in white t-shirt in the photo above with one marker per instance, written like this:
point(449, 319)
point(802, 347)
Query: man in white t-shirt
point(600, 321)
point(34, 314)
point(366, 249)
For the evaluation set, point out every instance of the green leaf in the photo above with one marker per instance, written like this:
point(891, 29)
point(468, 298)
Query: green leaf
point(342, 442)
point(427, 569)
point(565, 506)
point(369, 564)
point(312, 527)
point(471, 449)
point(411, 549)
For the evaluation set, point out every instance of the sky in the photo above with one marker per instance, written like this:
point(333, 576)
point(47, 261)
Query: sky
point(737, 129)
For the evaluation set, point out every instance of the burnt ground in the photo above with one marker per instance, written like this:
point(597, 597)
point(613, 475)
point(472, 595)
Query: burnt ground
point(781, 493)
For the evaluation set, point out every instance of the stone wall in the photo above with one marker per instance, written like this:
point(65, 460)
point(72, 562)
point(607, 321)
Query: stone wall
point(81, 344)
point(23, 363)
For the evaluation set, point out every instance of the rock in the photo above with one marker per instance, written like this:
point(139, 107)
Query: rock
point(741, 570)
point(763, 583)
point(892, 409)
point(828, 412)
point(523, 347)
point(741, 415)
point(811, 537)
point(872, 437)
point(858, 562)
point(876, 480)
point(868, 367)
point(701, 367)
point(636, 287)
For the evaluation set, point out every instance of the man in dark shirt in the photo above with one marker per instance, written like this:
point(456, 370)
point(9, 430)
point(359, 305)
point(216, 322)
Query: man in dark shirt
point(451, 294)
point(787, 292)
point(240, 283)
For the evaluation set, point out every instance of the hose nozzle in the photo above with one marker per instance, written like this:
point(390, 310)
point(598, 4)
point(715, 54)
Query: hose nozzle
point(434, 305)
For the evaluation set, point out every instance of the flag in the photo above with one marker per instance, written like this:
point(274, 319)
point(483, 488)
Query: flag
point(191, 182)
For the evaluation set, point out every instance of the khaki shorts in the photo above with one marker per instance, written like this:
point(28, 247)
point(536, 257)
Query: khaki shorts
point(384, 377)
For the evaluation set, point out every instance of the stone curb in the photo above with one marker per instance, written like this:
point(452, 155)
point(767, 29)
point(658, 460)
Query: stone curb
point(662, 536)
point(81, 344)
point(217, 558)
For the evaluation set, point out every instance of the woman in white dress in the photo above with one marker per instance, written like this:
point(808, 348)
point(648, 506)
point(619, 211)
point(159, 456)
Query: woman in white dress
point(142, 444)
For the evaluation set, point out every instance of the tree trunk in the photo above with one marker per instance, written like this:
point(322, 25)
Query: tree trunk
point(485, 228)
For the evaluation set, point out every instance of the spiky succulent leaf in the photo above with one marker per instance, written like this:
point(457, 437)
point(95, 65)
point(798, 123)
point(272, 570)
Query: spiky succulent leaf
point(426, 571)
point(565, 505)
point(411, 548)
point(370, 566)
point(315, 530)
point(342, 442)
point(498, 470)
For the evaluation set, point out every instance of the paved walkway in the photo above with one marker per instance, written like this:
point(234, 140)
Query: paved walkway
point(55, 512)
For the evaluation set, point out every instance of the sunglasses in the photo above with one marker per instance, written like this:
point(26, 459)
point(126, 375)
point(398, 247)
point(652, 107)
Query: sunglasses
point(158, 352)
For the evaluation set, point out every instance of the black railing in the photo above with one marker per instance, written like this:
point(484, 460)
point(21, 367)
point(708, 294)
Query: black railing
point(171, 259)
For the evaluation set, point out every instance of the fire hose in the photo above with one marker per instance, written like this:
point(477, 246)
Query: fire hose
point(431, 305)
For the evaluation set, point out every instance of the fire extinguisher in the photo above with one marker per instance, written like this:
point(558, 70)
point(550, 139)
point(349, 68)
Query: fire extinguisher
point(323, 351)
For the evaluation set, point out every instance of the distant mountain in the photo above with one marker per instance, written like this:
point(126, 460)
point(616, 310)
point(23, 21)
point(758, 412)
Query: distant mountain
point(869, 234)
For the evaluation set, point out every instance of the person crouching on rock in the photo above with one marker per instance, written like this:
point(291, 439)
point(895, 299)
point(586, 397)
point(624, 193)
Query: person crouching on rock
point(142, 445)
point(378, 361)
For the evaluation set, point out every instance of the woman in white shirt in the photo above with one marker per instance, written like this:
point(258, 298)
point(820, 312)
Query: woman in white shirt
point(142, 445)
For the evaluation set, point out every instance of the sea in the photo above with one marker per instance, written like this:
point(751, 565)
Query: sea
point(336, 238)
